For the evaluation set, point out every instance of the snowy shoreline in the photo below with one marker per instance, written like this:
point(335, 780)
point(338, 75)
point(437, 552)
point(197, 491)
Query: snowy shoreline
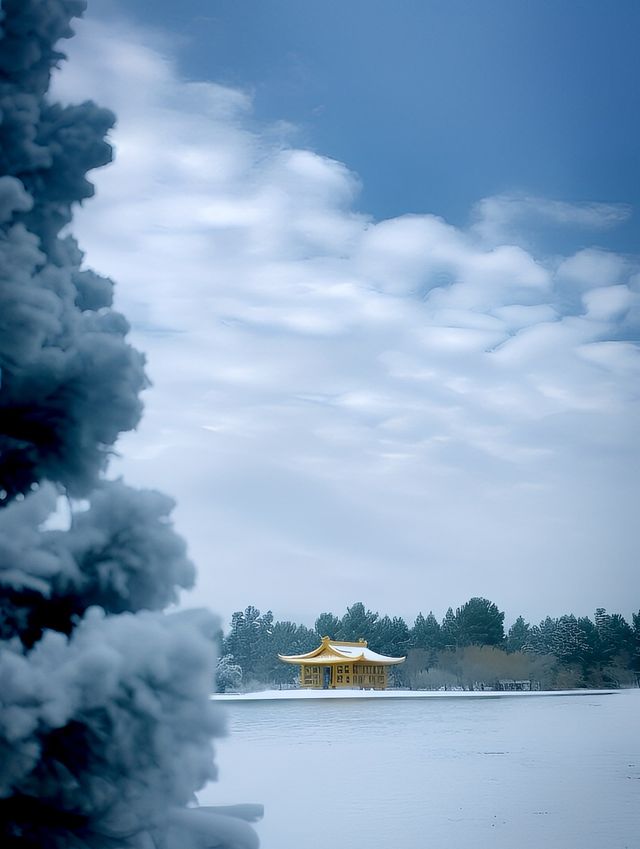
point(294, 695)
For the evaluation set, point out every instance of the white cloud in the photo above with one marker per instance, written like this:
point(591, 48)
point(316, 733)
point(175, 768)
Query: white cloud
point(608, 302)
point(590, 267)
point(346, 395)
point(502, 216)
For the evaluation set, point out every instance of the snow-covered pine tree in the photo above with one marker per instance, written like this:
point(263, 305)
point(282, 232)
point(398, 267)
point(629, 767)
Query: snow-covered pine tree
point(105, 715)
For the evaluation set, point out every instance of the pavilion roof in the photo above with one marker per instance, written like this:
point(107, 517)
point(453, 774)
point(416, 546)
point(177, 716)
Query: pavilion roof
point(331, 652)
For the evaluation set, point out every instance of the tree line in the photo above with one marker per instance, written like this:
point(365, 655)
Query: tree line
point(468, 648)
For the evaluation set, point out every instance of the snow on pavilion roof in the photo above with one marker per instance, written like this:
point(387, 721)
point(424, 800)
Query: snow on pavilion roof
point(330, 652)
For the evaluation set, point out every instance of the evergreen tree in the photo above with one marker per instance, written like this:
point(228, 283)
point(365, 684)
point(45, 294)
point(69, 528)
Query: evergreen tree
point(390, 636)
point(249, 642)
point(417, 632)
point(635, 659)
point(600, 618)
point(592, 651)
point(327, 625)
point(541, 637)
point(616, 636)
point(449, 630)
point(426, 634)
point(479, 623)
point(518, 635)
point(234, 644)
point(228, 674)
point(106, 718)
point(569, 643)
point(357, 623)
point(287, 638)
point(401, 637)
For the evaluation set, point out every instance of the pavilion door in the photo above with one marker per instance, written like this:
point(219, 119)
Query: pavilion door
point(326, 677)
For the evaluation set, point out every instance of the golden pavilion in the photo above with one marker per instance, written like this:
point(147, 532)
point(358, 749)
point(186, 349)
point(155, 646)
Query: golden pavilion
point(336, 664)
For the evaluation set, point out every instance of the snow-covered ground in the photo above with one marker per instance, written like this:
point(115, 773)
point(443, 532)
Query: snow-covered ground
point(361, 770)
point(287, 695)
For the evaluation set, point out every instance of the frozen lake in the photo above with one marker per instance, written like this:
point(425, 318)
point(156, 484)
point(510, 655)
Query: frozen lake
point(561, 772)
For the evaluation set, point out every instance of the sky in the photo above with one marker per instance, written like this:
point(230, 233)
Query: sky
point(383, 261)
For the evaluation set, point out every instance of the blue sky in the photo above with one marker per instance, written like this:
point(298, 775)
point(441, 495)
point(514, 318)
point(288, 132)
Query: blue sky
point(383, 258)
point(437, 104)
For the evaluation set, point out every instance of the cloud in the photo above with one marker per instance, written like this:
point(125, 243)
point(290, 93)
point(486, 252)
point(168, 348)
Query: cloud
point(502, 216)
point(360, 397)
point(608, 302)
point(591, 268)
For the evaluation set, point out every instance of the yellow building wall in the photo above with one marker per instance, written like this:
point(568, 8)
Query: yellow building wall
point(360, 676)
point(345, 675)
point(311, 677)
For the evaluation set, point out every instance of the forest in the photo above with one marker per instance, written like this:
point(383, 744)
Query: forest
point(468, 649)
